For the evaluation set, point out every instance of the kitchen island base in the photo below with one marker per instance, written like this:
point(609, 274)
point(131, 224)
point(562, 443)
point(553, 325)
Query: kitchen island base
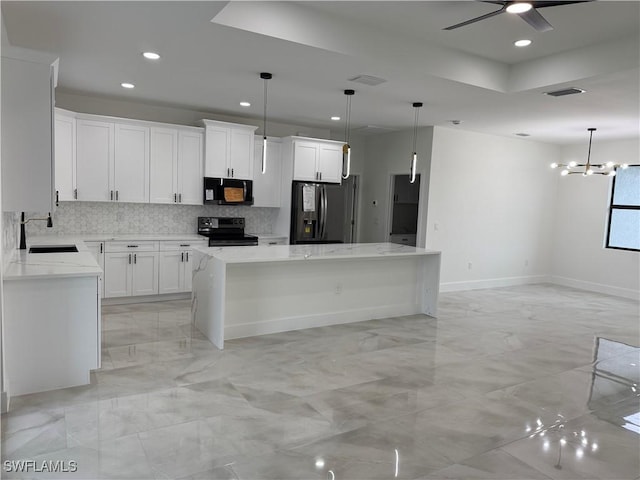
point(281, 288)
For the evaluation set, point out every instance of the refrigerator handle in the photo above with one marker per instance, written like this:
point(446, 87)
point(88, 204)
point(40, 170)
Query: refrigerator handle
point(324, 211)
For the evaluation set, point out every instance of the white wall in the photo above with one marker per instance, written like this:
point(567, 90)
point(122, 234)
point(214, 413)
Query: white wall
point(386, 155)
point(490, 209)
point(579, 258)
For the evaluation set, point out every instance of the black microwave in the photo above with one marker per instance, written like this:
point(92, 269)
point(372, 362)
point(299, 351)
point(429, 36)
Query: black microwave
point(227, 191)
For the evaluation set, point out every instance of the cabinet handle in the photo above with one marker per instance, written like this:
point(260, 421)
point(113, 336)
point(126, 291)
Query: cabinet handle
point(135, 258)
point(57, 198)
point(187, 254)
point(228, 172)
point(111, 195)
point(101, 247)
point(185, 244)
point(75, 193)
point(232, 173)
point(132, 246)
point(179, 198)
point(116, 195)
point(129, 259)
point(175, 198)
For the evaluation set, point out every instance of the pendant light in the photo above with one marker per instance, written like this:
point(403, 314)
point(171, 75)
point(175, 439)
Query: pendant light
point(414, 155)
point(346, 148)
point(264, 76)
point(588, 169)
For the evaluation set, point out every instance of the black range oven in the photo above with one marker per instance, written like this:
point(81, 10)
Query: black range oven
point(225, 231)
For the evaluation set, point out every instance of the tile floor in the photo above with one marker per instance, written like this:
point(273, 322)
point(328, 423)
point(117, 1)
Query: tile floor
point(529, 382)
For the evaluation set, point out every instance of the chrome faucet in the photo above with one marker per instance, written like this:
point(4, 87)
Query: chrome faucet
point(23, 222)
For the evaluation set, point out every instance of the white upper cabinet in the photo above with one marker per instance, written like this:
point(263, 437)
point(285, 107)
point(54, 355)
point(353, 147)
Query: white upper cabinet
point(190, 166)
point(65, 155)
point(267, 186)
point(112, 161)
point(94, 160)
point(27, 134)
point(229, 150)
point(317, 160)
point(176, 165)
point(131, 163)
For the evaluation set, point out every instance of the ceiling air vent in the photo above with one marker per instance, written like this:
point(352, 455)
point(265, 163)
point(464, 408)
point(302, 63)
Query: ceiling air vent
point(367, 80)
point(565, 91)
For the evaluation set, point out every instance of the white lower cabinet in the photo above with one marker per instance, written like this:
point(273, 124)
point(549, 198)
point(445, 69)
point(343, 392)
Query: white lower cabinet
point(131, 269)
point(176, 266)
point(137, 268)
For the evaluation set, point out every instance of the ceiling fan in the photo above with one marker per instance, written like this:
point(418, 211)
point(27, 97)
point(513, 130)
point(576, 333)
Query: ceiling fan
point(527, 10)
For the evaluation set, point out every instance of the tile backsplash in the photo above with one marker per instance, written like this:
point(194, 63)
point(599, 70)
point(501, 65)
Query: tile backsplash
point(73, 218)
point(10, 231)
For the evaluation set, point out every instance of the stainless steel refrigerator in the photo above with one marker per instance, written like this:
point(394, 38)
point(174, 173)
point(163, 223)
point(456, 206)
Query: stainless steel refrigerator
point(322, 213)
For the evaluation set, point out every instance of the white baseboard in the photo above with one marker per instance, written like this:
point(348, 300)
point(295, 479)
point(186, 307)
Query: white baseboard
point(146, 298)
point(492, 283)
point(321, 320)
point(595, 287)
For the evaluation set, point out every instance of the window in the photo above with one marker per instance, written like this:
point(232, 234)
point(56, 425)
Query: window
point(624, 211)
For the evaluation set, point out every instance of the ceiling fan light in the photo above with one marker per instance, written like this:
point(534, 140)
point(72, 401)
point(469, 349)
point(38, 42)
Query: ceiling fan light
point(554, 165)
point(589, 172)
point(519, 7)
point(624, 166)
point(573, 164)
point(564, 173)
point(610, 164)
point(612, 173)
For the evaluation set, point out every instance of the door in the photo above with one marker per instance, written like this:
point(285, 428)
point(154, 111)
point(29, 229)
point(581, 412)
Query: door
point(145, 273)
point(171, 269)
point(338, 216)
point(94, 160)
point(404, 209)
point(305, 156)
point(65, 157)
point(163, 165)
point(190, 167)
point(131, 171)
point(330, 163)
point(117, 274)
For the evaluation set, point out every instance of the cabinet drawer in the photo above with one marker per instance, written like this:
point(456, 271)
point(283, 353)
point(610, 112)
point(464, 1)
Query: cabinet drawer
point(132, 246)
point(272, 241)
point(177, 245)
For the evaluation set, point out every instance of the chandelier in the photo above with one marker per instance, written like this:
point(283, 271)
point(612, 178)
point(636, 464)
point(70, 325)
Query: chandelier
point(587, 169)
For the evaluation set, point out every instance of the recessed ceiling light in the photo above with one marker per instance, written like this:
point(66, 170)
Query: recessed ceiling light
point(335, 119)
point(127, 85)
point(151, 55)
point(519, 7)
point(522, 43)
point(245, 104)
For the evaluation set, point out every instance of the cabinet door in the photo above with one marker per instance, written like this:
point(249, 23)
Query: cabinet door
point(163, 165)
point(27, 136)
point(65, 157)
point(117, 274)
point(97, 250)
point(241, 154)
point(216, 151)
point(171, 268)
point(305, 156)
point(330, 163)
point(267, 186)
point(94, 160)
point(145, 273)
point(131, 177)
point(190, 183)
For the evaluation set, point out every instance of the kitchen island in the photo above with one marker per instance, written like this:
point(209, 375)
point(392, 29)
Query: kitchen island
point(247, 291)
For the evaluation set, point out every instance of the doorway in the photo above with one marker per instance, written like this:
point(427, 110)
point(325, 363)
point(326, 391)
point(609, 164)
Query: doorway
point(405, 197)
point(350, 186)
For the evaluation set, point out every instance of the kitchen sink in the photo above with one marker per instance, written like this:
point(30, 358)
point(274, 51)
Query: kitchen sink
point(53, 249)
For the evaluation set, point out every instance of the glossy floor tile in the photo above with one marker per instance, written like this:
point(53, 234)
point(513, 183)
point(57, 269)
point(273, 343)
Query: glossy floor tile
point(528, 382)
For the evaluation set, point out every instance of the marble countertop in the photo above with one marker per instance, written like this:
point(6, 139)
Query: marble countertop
point(285, 253)
point(267, 235)
point(105, 237)
point(27, 266)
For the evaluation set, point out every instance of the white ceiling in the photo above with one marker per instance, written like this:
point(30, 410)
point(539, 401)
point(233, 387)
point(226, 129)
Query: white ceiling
point(212, 53)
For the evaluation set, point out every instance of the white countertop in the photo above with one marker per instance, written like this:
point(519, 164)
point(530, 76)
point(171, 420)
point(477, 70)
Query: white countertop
point(106, 237)
point(25, 266)
point(284, 253)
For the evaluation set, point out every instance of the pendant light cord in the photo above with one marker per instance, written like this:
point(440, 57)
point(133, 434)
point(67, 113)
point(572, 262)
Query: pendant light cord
point(264, 118)
point(589, 152)
point(415, 129)
point(348, 121)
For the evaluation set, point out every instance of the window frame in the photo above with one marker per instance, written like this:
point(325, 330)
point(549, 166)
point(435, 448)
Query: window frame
point(613, 207)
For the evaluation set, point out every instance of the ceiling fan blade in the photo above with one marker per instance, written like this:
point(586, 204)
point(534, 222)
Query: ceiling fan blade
point(558, 3)
point(537, 21)
point(477, 19)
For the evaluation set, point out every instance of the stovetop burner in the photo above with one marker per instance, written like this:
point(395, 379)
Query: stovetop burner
point(225, 231)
